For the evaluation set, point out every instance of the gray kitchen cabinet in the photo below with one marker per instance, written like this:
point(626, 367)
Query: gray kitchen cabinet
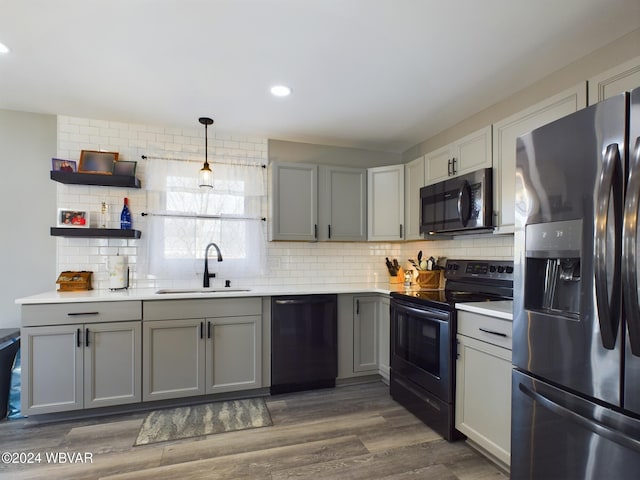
point(414, 180)
point(483, 383)
point(198, 347)
point(616, 80)
point(505, 133)
point(318, 202)
point(342, 204)
point(294, 202)
point(82, 365)
point(385, 203)
point(365, 333)
point(384, 325)
point(233, 354)
point(174, 358)
point(471, 152)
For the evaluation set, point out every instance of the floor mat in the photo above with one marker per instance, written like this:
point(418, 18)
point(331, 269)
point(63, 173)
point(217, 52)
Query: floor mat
point(184, 422)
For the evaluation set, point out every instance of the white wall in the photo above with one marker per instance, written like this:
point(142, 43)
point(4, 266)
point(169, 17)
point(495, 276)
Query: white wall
point(616, 53)
point(27, 209)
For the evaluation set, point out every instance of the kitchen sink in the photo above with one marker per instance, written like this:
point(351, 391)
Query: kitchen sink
point(201, 290)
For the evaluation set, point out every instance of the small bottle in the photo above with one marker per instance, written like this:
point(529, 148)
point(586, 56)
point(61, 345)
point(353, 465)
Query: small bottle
point(125, 216)
point(104, 215)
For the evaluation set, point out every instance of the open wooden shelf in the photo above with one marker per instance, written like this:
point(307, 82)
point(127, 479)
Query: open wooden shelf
point(73, 178)
point(94, 232)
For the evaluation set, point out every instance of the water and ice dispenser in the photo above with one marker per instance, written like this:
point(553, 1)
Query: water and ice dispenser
point(552, 272)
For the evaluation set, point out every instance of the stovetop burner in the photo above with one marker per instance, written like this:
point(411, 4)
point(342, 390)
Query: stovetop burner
point(467, 281)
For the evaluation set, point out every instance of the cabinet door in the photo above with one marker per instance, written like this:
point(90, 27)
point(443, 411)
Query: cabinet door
point(385, 203)
point(343, 204)
point(294, 201)
point(234, 354)
point(437, 165)
point(52, 369)
point(112, 364)
point(365, 334)
point(173, 358)
point(414, 180)
point(505, 133)
point(483, 395)
point(384, 325)
point(472, 152)
point(620, 79)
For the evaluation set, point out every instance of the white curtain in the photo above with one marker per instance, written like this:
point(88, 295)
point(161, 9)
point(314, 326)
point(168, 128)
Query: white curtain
point(178, 234)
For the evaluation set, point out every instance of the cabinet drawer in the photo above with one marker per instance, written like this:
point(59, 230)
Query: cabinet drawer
point(202, 308)
point(485, 328)
point(83, 312)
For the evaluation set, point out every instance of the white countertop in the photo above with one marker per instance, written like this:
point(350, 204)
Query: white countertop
point(499, 309)
point(150, 293)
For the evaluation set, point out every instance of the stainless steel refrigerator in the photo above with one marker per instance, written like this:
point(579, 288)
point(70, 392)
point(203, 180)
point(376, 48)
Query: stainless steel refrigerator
point(576, 326)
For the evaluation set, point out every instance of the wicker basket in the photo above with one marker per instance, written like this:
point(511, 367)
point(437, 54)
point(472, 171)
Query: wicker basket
point(429, 278)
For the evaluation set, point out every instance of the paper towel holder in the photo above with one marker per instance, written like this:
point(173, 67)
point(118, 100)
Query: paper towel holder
point(126, 285)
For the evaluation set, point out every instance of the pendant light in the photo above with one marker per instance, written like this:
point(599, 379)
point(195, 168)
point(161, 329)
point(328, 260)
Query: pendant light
point(206, 175)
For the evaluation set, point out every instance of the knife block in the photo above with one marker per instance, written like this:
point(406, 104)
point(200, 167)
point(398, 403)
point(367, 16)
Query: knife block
point(399, 278)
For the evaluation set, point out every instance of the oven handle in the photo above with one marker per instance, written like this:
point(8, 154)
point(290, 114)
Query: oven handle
point(438, 315)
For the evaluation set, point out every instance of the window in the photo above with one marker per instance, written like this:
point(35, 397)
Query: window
point(186, 218)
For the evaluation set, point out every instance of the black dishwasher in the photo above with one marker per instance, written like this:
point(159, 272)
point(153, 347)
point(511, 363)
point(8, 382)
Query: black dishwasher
point(304, 338)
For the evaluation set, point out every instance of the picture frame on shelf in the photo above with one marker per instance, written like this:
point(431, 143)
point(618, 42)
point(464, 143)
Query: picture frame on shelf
point(60, 165)
point(124, 167)
point(73, 218)
point(95, 161)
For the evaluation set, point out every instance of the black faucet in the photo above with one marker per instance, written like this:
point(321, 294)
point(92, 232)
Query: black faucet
point(207, 275)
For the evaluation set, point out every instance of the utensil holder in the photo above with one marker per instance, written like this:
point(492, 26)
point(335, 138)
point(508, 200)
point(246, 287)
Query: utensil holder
point(429, 278)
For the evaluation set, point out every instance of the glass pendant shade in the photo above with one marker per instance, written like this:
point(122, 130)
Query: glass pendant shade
point(206, 175)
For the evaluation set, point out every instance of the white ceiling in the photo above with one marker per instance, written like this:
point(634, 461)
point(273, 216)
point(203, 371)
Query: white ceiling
point(377, 74)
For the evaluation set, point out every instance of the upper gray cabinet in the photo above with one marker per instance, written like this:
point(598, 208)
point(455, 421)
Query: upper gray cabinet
point(385, 204)
point(471, 152)
point(616, 80)
point(343, 204)
point(414, 180)
point(311, 202)
point(294, 201)
point(505, 133)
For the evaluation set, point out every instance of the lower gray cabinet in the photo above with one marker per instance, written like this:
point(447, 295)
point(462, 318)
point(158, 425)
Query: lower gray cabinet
point(363, 335)
point(70, 367)
point(184, 357)
point(173, 363)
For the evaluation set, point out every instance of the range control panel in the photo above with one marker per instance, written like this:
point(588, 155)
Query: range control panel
point(489, 269)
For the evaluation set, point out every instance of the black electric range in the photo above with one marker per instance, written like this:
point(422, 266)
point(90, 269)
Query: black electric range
point(423, 334)
point(466, 281)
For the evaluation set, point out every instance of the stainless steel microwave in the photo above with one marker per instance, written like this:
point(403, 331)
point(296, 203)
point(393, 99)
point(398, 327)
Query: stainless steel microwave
point(463, 204)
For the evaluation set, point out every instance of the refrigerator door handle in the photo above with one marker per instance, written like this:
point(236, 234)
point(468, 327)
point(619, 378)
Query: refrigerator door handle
point(630, 249)
point(608, 306)
point(587, 423)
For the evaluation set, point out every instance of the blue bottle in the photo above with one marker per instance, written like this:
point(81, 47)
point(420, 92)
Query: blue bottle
point(125, 216)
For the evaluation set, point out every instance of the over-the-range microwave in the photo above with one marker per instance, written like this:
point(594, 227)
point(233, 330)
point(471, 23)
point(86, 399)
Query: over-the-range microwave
point(463, 204)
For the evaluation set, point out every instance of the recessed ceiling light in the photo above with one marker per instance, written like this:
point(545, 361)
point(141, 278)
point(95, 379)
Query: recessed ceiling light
point(280, 91)
point(3, 48)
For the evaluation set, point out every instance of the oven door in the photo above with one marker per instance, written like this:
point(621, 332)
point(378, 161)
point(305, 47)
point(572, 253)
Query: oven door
point(420, 347)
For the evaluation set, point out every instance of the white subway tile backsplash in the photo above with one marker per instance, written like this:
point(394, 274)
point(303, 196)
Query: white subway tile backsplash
point(322, 263)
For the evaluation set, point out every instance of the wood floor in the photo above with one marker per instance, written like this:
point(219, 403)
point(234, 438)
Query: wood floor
point(350, 432)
